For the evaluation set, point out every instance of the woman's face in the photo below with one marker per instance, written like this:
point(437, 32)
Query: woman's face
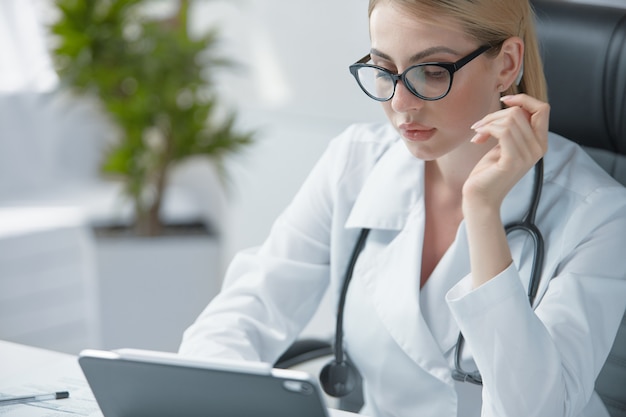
point(432, 129)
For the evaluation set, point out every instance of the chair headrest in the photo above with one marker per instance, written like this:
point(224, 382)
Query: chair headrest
point(584, 52)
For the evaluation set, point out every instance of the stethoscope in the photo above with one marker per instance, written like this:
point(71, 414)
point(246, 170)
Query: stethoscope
point(339, 377)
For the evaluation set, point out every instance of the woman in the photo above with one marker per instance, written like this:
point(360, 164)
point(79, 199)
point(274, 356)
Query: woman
point(436, 187)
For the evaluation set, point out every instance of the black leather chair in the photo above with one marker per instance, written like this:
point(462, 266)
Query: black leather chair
point(584, 52)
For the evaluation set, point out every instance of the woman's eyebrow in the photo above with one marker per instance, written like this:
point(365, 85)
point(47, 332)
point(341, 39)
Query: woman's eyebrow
point(418, 56)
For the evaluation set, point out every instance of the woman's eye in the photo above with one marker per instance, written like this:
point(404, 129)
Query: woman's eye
point(436, 73)
point(381, 74)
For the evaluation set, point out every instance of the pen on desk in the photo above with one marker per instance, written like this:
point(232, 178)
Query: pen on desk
point(32, 398)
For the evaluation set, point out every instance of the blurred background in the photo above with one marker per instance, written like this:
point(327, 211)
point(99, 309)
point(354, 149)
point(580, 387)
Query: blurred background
point(68, 278)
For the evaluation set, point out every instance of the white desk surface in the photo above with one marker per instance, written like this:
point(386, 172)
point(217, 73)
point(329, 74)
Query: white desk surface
point(15, 359)
point(25, 369)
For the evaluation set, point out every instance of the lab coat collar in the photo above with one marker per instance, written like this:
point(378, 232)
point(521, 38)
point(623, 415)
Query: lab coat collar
point(390, 192)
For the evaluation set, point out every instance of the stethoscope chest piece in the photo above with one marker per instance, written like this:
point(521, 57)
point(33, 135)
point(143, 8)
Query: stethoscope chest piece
point(338, 379)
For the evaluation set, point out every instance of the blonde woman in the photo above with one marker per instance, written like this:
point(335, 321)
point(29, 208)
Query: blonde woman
point(465, 154)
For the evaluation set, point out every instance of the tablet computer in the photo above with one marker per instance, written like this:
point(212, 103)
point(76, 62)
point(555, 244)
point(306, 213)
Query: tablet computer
point(133, 382)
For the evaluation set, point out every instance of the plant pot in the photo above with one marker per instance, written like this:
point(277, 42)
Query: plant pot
point(152, 289)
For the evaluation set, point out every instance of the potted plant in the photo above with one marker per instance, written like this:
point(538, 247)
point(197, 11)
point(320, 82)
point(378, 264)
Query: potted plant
point(155, 83)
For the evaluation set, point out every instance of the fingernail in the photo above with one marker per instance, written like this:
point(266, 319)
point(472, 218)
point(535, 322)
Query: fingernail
point(475, 138)
point(476, 125)
point(505, 98)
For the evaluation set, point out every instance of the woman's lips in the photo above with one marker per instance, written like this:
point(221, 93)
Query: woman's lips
point(416, 133)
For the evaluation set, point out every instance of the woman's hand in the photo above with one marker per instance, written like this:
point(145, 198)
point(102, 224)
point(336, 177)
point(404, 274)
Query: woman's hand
point(521, 130)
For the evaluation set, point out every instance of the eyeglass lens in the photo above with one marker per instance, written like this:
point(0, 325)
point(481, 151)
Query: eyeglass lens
point(428, 81)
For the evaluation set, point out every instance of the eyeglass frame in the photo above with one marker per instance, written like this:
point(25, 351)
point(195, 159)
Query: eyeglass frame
point(451, 67)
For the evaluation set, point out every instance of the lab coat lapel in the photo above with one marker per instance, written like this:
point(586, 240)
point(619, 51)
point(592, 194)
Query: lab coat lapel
point(391, 204)
point(391, 278)
point(391, 191)
point(453, 266)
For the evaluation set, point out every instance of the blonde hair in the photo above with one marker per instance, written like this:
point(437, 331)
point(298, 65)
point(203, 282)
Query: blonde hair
point(490, 22)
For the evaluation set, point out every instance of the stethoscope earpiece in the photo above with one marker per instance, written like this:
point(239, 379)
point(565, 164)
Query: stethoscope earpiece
point(338, 379)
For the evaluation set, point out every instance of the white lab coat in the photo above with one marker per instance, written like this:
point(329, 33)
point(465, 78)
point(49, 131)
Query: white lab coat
point(540, 362)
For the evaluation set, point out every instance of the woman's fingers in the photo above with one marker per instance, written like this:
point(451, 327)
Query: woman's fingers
point(539, 110)
point(514, 134)
point(521, 132)
point(523, 125)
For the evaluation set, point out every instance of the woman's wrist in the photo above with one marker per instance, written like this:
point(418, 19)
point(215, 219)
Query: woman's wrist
point(488, 246)
point(479, 208)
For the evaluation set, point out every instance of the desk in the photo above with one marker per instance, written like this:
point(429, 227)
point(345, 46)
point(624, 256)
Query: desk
point(24, 369)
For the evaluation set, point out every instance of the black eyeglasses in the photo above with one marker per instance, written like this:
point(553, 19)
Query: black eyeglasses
point(428, 81)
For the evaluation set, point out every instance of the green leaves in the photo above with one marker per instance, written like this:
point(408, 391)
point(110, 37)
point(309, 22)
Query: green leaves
point(153, 79)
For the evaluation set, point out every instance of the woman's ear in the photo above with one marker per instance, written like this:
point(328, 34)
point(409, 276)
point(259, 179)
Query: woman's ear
point(511, 59)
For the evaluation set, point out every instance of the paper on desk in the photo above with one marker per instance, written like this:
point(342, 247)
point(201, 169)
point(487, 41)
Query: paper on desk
point(61, 376)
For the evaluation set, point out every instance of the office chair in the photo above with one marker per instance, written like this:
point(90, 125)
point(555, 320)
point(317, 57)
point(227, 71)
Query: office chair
point(584, 52)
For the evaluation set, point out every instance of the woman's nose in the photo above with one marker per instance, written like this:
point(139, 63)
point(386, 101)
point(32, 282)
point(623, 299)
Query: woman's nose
point(403, 100)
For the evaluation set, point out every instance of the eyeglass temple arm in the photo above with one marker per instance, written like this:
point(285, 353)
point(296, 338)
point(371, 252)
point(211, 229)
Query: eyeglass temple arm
point(365, 59)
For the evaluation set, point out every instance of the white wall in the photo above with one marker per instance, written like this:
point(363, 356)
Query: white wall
point(294, 88)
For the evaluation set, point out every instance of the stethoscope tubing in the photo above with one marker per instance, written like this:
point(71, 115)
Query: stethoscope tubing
point(344, 291)
point(528, 225)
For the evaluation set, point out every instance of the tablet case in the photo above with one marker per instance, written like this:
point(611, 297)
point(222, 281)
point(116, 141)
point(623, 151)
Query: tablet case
point(138, 383)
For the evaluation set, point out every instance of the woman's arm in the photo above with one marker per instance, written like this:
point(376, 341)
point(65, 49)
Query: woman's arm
point(270, 292)
point(544, 361)
point(522, 134)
